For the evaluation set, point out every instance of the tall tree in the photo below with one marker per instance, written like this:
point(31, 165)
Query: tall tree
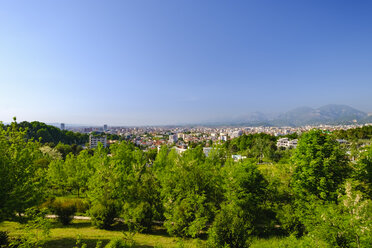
point(242, 213)
point(191, 192)
point(103, 190)
point(21, 178)
point(320, 166)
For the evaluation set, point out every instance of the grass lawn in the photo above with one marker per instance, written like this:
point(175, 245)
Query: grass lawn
point(66, 236)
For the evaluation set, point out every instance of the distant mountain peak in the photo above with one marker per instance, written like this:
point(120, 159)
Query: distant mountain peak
point(327, 114)
point(301, 116)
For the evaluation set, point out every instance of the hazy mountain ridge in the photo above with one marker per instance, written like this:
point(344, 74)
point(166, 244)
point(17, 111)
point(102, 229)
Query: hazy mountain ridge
point(328, 114)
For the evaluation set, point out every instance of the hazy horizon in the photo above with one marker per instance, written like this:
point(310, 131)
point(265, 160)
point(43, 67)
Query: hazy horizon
point(173, 62)
point(223, 121)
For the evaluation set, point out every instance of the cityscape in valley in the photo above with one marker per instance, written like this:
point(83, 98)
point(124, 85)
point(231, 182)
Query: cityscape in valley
point(182, 137)
point(185, 124)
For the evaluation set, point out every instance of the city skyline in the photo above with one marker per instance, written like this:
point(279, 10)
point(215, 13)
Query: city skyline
point(166, 62)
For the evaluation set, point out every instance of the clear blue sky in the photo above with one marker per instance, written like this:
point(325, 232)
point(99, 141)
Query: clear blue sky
point(166, 62)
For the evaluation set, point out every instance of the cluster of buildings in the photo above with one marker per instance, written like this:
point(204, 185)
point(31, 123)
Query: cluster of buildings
point(149, 137)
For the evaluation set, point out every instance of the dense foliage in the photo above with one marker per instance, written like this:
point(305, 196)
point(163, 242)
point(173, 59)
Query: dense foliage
point(21, 169)
point(51, 134)
point(355, 133)
point(315, 193)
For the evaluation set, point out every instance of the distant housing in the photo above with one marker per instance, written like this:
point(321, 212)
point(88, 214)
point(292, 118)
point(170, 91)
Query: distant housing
point(342, 141)
point(238, 157)
point(207, 150)
point(94, 140)
point(285, 142)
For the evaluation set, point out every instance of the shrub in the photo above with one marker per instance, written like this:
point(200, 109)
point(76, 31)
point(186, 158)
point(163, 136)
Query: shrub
point(81, 205)
point(35, 232)
point(103, 216)
point(119, 243)
point(229, 229)
point(4, 239)
point(64, 210)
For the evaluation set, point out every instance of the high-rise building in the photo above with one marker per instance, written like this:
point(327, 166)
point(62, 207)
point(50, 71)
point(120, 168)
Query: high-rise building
point(105, 127)
point(173, 138)
point(62, 126)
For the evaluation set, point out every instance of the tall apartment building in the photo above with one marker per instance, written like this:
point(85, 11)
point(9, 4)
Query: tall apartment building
point(173, 138)
point(62, 126)
point(94, 140)
point(105, 127)
point(223, 137)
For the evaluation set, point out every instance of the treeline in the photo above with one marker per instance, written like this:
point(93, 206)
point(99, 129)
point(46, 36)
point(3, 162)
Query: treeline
point(50, 134)
point(354, 134)
point(318, 197)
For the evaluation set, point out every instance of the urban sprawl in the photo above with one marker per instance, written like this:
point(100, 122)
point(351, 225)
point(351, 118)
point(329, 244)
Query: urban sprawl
point(181, 138)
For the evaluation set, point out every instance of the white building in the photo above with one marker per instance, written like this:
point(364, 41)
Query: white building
point(341, 141)
point(285, 142)
point(293, 143)
point(223, 137)
point(236, 134)
point(207, 150)
point(238, 157)
point(180, 150)
point(94, 140)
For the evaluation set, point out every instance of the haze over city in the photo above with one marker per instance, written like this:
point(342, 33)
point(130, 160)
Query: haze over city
point(174, 62)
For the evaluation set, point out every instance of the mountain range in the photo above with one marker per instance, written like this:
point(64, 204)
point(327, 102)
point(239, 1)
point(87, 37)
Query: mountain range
point(332, 114)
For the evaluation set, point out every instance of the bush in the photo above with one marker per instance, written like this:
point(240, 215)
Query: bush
point(35, 232)
point(304, 242)
point(229, 229)
point(103, 216)
point(64, 210)
point(81, 205)
point(4, 239)
point(290, 242)
point(119, 243)
point(139, 218)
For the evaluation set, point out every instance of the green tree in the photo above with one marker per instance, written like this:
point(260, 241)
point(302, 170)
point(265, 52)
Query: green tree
point(102, 190)
point(363, 170)
point(21, 178)
point(142, 202)
point(64, 149)
point(243, 212)
point(138, 186)
point(57, 177)
point(346, 223)
point(320, 166)
point(229, 228)
point(78, 170)
point(191, 192)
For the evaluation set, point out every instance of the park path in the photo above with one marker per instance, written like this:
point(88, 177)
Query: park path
point(53, 216)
